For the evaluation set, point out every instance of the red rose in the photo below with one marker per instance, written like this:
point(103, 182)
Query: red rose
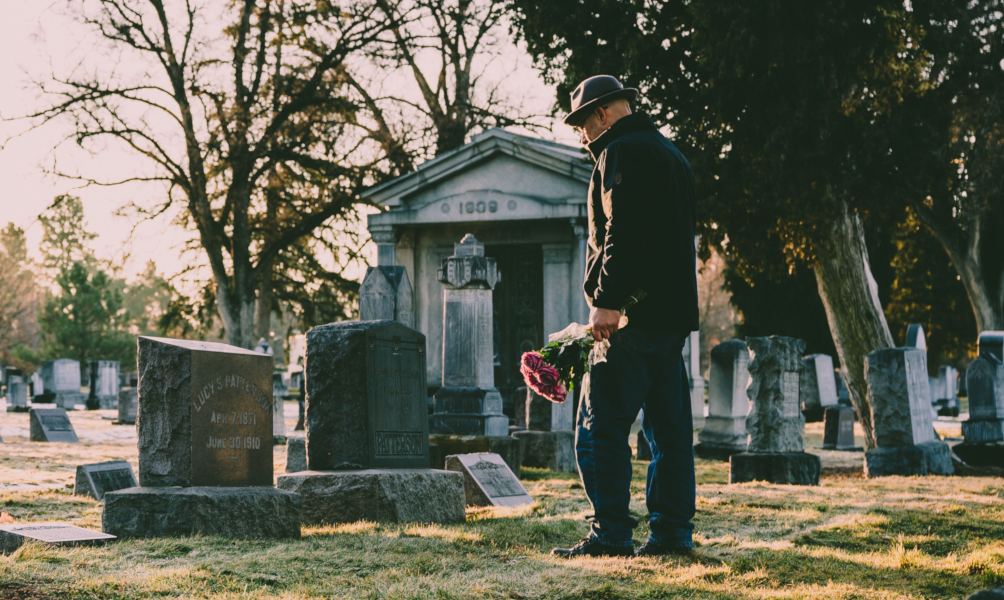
point(547, 376)
point(530, 363)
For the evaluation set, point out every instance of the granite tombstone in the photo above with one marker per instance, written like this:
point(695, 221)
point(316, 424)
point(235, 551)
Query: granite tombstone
point(724, 432)
point(17, 394)
point(50, 425)
point(107, 383)
point(775, 422)
point(984, 429)
point(296, 454)
point(901, 415)
point(13, 535)
point(128, 403)
point(95, 480)
point(818, 387)
point(488, 481)
point(915, 337)
point(838, 429)
point(386, 295)
point(61, 379)
point(548, 441)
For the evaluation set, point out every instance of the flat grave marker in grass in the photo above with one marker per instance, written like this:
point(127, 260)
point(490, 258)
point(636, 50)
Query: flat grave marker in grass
point(50, 425)
point(12, 536)
point(95, 480)
point(488, 480)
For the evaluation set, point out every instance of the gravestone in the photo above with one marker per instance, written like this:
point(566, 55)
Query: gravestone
point(776, 448)
point(991, 343)
point(915, 337)
point(838, 429)
point(386, 295)
point(488, 481)
point(13, 535)
point(901, 416)
point(128, 403)
point(520, 421)
point(107, 384)
point(724, 432)
point(17, 394)
point(50, 425)
point(296, 454)
point(643, 450)
point(818, 387)
point(367, 437)
point(97, 479)
point(205, 447)
point(278, 410)
point(61, 379)
point(691, 356)
point(548, 441)
point(843, 394)
point(37, 387)
point(468, 403)
point(984, 429)
point(946, 402)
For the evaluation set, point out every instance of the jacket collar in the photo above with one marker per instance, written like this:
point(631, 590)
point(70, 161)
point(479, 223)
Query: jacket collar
point(638, 121)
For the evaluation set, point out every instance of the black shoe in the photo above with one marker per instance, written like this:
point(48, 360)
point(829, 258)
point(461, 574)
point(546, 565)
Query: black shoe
point(653, 549)
point(593, 547)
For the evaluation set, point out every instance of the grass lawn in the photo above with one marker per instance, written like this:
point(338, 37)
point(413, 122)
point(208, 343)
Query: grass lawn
point(897, 537)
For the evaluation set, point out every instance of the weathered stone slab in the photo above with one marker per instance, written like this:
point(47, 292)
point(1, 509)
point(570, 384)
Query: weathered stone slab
point(96, 480)
point(278, 420)
point(554, 450)
point(544, 415)
point(296, 454)
point(50, 425)
point(468, 411)
point(838, 429)
point(724, 430)
point(818, 387)
point(927, 458)
point(643, 451)
point(488, 481)
point(107, 383)
point(13, 535)
point(366, 397)
point(509, 448)
point(985, 384)
point(128, 403)
point(381, 495)
point(899, 397)
point(775, 422)
point(915, 336)
point(691, 356)
point(61, 376)
point(205, 414)
point(386, 295)
point(794, 468)
point(991, 343)
point(242, 513)
point(17, 394)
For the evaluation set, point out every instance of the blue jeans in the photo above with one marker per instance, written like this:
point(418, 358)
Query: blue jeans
point(644, 369)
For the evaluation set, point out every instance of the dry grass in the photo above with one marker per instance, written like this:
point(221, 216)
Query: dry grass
point(849, 538)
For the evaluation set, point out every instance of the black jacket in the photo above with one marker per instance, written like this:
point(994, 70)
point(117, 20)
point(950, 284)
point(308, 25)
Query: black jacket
point(642, 205)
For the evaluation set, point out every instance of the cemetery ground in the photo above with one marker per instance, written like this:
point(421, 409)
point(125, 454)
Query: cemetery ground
point(894, 537)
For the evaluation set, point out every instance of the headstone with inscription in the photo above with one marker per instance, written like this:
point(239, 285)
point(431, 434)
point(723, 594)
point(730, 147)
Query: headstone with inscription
point(205, 447)
point(386, 295)
point(488, 481)
point(901, 415)
point(915, 337)
point(367, 436)
point(13, 535)
point(838, 429)
point(947, 401)
point(127, 404)
point(17, 394)
point(724, 432)
point(776, 449)
point(61, 379)
point(50, 425)
point(107, 383)
point(818, 387)
point(97, 479)
point(984, 429)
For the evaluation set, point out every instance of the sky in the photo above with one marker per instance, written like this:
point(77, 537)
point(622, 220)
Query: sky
point(36, 36)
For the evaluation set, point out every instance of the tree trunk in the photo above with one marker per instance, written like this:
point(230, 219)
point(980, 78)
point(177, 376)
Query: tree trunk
point(237, 312)
point(264, 323)
point(853, 310)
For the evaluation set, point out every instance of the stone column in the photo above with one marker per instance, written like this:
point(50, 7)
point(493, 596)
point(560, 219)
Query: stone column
point(468, 403)
point(724, 433)
point(385, 238)
point(579, 308)
point(775, 422)
point(693, 366)
point(557, 282)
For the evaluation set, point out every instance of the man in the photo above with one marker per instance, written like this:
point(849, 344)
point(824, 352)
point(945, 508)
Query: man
point(641, 257)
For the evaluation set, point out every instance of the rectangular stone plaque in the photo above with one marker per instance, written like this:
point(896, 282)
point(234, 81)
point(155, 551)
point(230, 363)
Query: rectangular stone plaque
point(205, 414)
point(14, 534)
point(50, 425)
point(488, 480)
point(366, 397)
point(789, 388)
point(95, 480)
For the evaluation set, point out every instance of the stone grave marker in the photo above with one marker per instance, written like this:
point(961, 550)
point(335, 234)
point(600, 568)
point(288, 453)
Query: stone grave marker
point(838, 429)
point(488, 481)
point(95, 480)
point(843, 394)
point(17, 394)
point(776, 450)
point(548, 441)
point(915, 337)
point(991, 343)
point(691, 355)
point(278, 409)
point(204, 425)
point(643, 450)
point(61, 379)
point(296, 454)
point(128, 402)
point(367, 436)
point(12, 535)
point(984, 429)
point(37, 387)
point(386, 295)
point(724, 432)
point(901, 415)
point(818, 387)
point(107, 384)
point(50, 425)
point(946, 401)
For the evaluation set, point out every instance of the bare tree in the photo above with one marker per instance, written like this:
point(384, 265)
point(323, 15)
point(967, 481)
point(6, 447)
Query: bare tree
point(218, 118)
point(19, 296)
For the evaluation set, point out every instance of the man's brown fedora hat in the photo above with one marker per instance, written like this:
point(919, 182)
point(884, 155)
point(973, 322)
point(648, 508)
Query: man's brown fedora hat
point(594, 92)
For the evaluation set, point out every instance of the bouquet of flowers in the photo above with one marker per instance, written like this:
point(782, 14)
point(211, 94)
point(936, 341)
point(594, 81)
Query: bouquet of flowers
point(568, 356)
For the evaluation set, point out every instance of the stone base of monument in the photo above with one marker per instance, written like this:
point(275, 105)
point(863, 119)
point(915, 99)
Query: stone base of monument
point(794, 468)
point(69, 401)
point(108, 402)
point(983, 431)
point(981, 455)
point(509, 448)
point(237, 512)
point(381, 495)
point(721, 452)
point(554, 450)
point(18, 409)
point(928, 458)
